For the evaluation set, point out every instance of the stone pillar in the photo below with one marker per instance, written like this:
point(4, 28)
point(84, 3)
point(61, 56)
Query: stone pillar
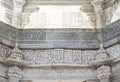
point(102, 62)
point(103, 69)
point(17, 12)
point(99, 12)
point(15, 60)
point(100, 17)
point(14, 74)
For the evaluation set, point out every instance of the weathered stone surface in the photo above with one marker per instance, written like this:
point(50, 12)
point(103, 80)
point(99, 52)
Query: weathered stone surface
point(114, 51)
point(54, 74)
point(7, 34)
point(51, 38)
point(67, 38)
point(111, 33)
point(4, 52)
point(54, 54)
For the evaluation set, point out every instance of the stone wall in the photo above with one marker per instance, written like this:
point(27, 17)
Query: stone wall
point(59, 38)
point(76, 66)
point(58, 73)
point(58, 54)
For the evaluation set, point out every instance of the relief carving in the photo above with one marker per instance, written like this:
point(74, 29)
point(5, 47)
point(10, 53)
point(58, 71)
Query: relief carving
point(39, 57)
point(34, 35)
point(4, 51)
point(68, 56)
point(16, 54)
point(58, 56)
point(77, 57)
point(103, 71)
point(28, 35)
point(49, 56)
point(14, 72)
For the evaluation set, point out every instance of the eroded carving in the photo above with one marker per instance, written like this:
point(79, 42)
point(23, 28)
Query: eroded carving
point(77, 57)
point(49, 56)
point(4, 51)
point(58, 56)
point(104, 71)
point(15, 72)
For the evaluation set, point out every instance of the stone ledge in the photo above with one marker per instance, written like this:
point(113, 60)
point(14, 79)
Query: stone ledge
point(59, 38)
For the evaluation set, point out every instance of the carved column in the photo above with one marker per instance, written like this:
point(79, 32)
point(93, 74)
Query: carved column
point(14, 74)
point(99, 12)
point(103, 68)
point(15, 61)
point(17, 11)
point(102, 62)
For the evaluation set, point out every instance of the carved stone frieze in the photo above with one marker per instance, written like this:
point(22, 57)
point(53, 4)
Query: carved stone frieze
point(49, 56)
point(58, 63)
point(58, 56)
point(4, 52)
point(52, 38)
point(77, 57)
point(68, 56)
point(16, 57)
point(46, 38)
